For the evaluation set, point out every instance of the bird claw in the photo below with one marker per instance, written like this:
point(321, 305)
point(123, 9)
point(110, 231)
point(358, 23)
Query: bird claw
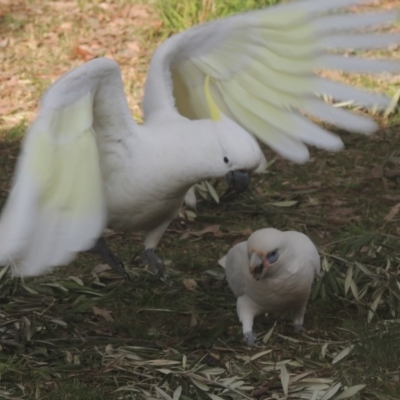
point(155, 265)
point(250, 338)
point(109, 257)
point(299, 328)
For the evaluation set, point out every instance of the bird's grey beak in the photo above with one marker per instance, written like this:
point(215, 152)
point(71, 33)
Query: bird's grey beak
point(256, 266)
point(238, 179)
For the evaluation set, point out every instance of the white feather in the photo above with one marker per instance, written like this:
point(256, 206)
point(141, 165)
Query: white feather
point(357, 65)
point(283, 284)
point(360, 41)
point(341, 23)
point(57, 204)
point(286, 120)
point(340, 91)
point(339, 117)
point(85, 164)
point(262, 67)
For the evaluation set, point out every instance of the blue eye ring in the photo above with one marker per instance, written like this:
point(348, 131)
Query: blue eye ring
point(273, 256)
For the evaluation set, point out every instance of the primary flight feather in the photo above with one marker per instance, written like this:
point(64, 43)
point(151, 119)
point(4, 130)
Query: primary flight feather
point(85, 164)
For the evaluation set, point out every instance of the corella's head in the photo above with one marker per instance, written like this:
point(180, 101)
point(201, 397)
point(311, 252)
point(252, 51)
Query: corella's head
point(268, 252)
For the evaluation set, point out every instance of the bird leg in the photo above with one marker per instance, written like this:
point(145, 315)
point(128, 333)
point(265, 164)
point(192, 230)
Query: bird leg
point(155, 264)
point(247, 309)
point(108, 257)
point(299, 317)
point(299, 328)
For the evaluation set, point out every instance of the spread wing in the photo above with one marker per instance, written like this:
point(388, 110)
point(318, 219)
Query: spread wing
point(260, 70)
point(56, 205)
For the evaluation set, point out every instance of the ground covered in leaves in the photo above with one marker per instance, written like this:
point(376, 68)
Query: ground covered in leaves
point(84, 333)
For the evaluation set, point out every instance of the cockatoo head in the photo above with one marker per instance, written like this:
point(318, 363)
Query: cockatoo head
point(240, 153)
point(268, 252)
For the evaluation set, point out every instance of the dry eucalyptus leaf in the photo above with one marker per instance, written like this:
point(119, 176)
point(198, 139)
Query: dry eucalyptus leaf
point(343, 211)
point(288, 203)
point(392, 173)
point(208, 229)
point(104, 313)
point(392, 213)
point(109, 349)
point(375, 172)
point(344, 353)
point(350, 392)
point(98, 269)
point(68, 356)
point(285, 379)
point(76, 280)
point(190, 284)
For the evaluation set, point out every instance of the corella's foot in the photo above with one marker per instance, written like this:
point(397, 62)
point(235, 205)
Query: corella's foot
point(155, 264)
point(109, 257)
point(299, 328)
point(250, 338)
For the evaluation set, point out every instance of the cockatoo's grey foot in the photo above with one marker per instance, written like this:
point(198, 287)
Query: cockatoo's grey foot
point(298, 328)
point(250, 338)
point(109, 257)
point(155, 264)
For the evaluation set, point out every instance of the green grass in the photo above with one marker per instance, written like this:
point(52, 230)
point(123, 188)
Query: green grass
point(178, 15)
point(161, 339)
point(153, 322)
point(74, 389)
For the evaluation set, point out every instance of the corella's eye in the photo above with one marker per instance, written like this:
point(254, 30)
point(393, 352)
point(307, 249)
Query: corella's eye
point(273, 256)
point(226, 160)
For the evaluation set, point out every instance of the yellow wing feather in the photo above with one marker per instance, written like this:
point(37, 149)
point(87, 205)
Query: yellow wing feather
point(58, 189)
point(259, 69)
point(214, 110)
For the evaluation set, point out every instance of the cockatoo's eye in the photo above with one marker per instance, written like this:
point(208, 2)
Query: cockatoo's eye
point(226, 160)
point(273, 256)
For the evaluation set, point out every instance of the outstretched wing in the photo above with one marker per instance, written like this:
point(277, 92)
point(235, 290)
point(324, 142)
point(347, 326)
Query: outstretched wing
point(262, 66)
point(56, 205)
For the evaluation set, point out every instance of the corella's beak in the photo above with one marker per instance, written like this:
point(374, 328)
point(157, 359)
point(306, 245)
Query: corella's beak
point(238, 180)
point(256, 266)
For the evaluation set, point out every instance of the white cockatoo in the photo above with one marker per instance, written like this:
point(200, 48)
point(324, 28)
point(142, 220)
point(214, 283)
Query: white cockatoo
point(271, 272)
point(85, 164)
